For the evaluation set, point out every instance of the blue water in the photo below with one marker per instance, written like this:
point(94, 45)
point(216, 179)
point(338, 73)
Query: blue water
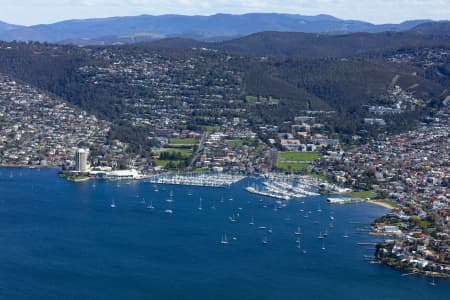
point(62, 240)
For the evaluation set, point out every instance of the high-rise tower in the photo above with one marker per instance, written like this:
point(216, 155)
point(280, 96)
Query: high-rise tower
point(81, 157)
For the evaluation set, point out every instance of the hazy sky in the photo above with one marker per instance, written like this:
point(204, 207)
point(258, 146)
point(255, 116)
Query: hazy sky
point(28, 12)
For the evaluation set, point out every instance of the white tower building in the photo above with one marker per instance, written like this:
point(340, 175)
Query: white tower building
point(81, 157)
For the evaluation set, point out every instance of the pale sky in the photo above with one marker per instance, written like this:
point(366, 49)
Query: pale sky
point(30, 12)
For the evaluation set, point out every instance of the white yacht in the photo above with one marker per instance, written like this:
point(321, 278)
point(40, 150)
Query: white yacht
point(224, 240)
point(200, 204)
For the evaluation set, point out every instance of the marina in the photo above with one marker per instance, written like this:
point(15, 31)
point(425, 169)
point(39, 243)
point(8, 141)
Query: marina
point(205, 180)
point(284, 188)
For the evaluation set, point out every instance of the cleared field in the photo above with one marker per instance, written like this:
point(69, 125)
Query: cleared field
point(211, 129)
point(293, 166)
point(298, 156)
point(264, 100)
point(236, 143)
point(186, 141)
point(182, 152)
point(164, 163)
point(361, 194)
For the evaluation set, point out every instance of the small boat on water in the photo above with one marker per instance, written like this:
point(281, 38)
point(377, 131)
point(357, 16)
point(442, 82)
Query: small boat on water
point(150, 206)
point(168, 211)
point(224, 240)
point(232, 218)
point(113, 204)
point(298, 231)
point(200, 204)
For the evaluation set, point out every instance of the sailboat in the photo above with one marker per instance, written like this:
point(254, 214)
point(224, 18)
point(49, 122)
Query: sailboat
point(232, 218)
point(150, 206)
point(252, 221)
point(323, 245)
point(433, 282)
point(345, 235)
point(170, 199)
point(326, 233)
point(319, 209)
point(200, 204)
point(298, 231)
point(155, 188)
point(113, 204)
point(189, 193)
point(224, 240)
point(265, 241)
point(320, 236)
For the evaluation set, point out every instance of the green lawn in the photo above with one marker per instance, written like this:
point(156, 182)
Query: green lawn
point(293, 166)
point(186, 141)
point(361, 194)
point(163, 163)
point(251, 99)
point(183, 152)
point(298, 156)
point(211, 129)
point(236, 143)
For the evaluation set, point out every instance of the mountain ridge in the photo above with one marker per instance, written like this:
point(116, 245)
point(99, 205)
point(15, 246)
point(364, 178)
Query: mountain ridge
point(203, 27)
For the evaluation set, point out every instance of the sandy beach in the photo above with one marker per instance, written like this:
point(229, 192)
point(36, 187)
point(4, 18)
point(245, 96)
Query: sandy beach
point(384, 204)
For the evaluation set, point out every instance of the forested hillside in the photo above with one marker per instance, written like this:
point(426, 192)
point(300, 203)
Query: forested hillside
point(137, 84)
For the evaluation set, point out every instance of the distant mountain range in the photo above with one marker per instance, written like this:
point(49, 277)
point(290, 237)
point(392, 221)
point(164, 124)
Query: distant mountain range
point(6, 27)
point(205, 28)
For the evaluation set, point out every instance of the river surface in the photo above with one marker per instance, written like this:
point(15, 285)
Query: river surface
point(63, 240)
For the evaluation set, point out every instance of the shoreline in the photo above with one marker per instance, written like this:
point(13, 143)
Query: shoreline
point(383, 204)
point(29, 167)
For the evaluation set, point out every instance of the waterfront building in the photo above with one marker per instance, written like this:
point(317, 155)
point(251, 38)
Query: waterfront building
point(123, 174)
point(81, 157)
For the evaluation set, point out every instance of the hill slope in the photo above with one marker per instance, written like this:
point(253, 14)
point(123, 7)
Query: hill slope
point(313, 45)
